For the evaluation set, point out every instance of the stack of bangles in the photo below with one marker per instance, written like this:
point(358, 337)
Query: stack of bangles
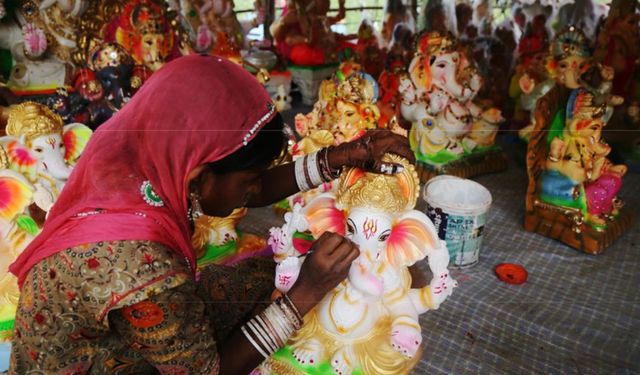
point(270, 330)
point(313, 170)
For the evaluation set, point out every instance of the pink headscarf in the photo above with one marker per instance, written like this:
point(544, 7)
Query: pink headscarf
point(194, 110)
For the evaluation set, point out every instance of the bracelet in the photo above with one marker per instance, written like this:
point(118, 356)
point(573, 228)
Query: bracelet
point(269, 333)
point(314, 170)
point(282, 330)
point(333, 173)
point(323, 165)
point(306, 171)
point(272, 328)
point(301, 181)
point(252, 341)
point(293, 307)
point(291, 314)
point(262, 336)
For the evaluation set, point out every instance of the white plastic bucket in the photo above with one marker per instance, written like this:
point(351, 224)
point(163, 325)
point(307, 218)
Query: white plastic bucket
point(458, 207)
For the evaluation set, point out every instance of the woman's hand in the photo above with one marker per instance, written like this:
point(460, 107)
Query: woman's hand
point(323, 269)
point(367, 151)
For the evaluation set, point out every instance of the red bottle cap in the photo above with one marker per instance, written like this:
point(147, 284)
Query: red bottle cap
point(511, 273)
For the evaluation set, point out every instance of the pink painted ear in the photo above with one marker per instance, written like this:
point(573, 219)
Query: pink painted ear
point(75, 138)
point(412, 237)
point(322, 215)
point(19, 157)
point(16, 194)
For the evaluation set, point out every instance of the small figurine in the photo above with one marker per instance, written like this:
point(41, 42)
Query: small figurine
point(32, 69)
point(369, 323)
point(113, 66)
point(395, 13)
point(530, 82)
point(368, 49)
point(303, 35)
point(216, 240)
point(95, 108)
point(145, 32)
point(618, 46)
point(217, 29)
point(390, 96)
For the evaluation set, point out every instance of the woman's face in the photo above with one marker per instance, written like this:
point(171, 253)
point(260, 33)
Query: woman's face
point(222, 193)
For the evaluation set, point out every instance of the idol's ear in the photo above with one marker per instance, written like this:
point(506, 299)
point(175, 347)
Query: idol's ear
point(16, 194)
point(322, 215)
point(420, 71)
point(19, 157)
point(412, 237)
point(75, 137)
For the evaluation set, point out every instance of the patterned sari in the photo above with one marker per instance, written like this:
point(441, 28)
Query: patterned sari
point(131, 307)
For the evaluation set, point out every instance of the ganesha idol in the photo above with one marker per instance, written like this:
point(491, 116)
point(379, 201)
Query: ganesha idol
point(217, 241)
point(216, 28)
point(449, 133)
point(37, 157)
point(369, 323)
point(345, 110)
point(42, 149)
point(569, 60)
point(573, 186)
point(41, 38)
point(144, 30)
point(303, 32)
point(578, 173)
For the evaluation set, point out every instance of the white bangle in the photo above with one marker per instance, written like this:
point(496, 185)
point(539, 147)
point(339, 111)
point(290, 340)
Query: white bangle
point(301, 180)
point(278, 332)
point(261, 336)
point(255, 345)
point(292, 316)
point(277, 318)
point(270, 334)
point(314, 170)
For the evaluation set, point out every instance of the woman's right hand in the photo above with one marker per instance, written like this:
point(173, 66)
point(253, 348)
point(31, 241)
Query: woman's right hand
point(323, 269)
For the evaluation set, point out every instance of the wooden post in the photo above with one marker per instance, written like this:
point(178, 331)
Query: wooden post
point(414, 10)
point(269, 17)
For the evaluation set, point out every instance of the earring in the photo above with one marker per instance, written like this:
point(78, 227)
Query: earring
point(195, 211)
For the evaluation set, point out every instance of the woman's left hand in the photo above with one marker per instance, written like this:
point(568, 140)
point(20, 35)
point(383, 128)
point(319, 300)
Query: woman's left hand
point(367, 151)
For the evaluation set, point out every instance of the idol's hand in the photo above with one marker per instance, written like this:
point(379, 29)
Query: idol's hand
point(367, 151)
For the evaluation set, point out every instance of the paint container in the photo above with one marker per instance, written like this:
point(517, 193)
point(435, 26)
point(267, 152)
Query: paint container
point(458, 208)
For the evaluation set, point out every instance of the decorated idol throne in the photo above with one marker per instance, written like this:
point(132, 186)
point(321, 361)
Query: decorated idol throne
point(572, 191)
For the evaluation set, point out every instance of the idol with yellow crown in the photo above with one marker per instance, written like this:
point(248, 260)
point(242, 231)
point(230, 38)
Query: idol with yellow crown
point(369, 323)
point(450, 133)
point(345, 110)
point(36, 159)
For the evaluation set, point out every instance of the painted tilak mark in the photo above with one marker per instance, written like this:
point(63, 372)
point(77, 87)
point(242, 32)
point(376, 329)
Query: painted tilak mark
point(370, 227)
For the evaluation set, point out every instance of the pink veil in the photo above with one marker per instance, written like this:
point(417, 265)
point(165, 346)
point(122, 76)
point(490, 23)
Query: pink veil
point(194, 110)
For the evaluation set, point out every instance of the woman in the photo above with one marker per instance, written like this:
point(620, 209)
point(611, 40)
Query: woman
point(110, 286)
